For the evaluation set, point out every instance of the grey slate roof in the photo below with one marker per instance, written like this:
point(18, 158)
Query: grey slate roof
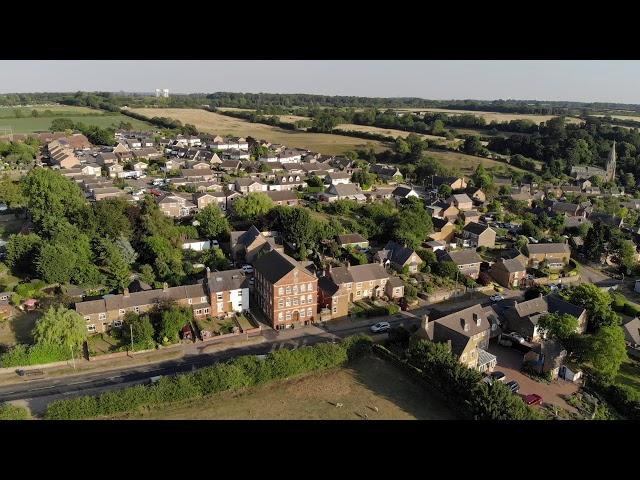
point(227, 280)
point(462, 257)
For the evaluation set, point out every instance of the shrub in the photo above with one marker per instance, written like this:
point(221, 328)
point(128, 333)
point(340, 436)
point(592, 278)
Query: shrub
point(236, 374)
point(631, 310)
point(24, 355)
point(12, 412)
point(392, 309)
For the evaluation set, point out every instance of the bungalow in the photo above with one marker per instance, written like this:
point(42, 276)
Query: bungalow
point(478, 235)
point(556, 255)
point(230, 165)
point(336, 178)
point(353, 240)
point(197, 174)
point(386, 172)
point(402, 192)
point(467, 332)
point(468, 261)
point(509, 273)
point(348, 191)
point(285, 197)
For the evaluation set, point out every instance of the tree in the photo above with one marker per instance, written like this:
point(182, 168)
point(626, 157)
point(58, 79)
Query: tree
point(129, 255)
point(364, 179)
point(446, 269)
point(172, 321)
point(142, 330)
point(560, 326)
point(146, 274)
point(595, 241)
point(212, 222)
point(112, 218)
point(597, 302)
point(627, 254)
point(168, 259)
point(497, 402)
point(11, 193)
point(61, 124)
point(412, 224)
point(445, 191)
point(473, 146)
point(481, 178)
point(22, 250)
point(215, 259)
point(55, 263)
point(60, 327)
point(607, 350)
point(118, 272)
point(252, 206)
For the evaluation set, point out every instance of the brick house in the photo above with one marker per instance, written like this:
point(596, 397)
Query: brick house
point(461, 201)
point(247, 245)
point(468, 261)
point(509, 273)
point(455, 183)
point(443, 230)
point(478, 235)
point(177, 205)
point(286, 292)
point(283, 198)
point(399, 257)
point(556, 255)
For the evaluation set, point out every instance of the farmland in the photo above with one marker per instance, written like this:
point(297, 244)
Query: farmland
point(362, 387)
point(210, 122)
point(390, 132)
point(491, 116)
point(40, 124)
point(56, 110)
point(466, 164)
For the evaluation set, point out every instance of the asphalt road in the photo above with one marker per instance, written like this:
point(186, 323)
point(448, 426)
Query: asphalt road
point(38, 393)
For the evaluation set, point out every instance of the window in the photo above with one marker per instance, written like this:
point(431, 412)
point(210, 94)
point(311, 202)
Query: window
point(309, 298)
point(218, 296)
point(280, 316)
point(87, 318)
point(280, 302)
point(240, 293)
point(205, 311)
point(121, 312)
point(288, 290)
point(117, 323)
point(310, 287)
point(102, 316)
point(136, 309)
point(190, 301)
point(295, 289)
point(203, 299)
point(302, 300)
point(335, 309)
point(358, 293)
point(308, 312)
point(281, 291)
point(91, 328)
point(288, 302)
point(220, 306)
point(302, 313)
point(463, 357)
point(359, 285)
point(303, 288)
point(295, 301)
point(199, 311)
point(348, 286)
point(288, 316)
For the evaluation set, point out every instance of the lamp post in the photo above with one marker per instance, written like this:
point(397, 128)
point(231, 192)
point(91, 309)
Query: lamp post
point(131, 330)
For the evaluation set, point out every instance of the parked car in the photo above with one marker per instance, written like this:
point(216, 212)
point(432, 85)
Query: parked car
point(505, 342)
point(380, 327)
point(533, 399)
point(499, 376)
point(517, 337)
point(215, 244)
point(553, 287)
point(496, 298)
point(513, 386)
point(532, 240)
point(247, 269)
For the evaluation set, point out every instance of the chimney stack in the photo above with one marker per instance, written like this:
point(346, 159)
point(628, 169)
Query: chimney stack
point(465, 324)
point(425, 321)
point(477, 319)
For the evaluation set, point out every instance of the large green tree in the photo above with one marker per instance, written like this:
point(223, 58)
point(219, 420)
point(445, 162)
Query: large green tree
point(412, 224)
point(252, 206)
point(212, 222)
point(607, 350)
point(171, 322)
point(597, 302)
point(60, 326)
point(11, 193)
point(556, 325)
point(22, 251)
point(142, 329)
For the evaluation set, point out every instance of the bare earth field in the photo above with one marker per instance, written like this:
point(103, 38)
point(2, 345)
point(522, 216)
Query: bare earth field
point(393, 133)
point(223, 125)
point(367, 384)
point(491, 116)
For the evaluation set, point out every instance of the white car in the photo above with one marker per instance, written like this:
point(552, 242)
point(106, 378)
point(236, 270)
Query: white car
point(215, 244)
point(496, 298)
point(247, 269)
point(380, 327)
point(517, 337)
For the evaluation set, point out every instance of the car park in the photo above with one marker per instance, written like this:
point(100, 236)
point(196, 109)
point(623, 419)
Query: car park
point(513, 386)
point(380, 327)
point(533, 399)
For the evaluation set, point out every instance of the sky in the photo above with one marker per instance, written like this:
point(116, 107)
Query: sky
point(584, 80)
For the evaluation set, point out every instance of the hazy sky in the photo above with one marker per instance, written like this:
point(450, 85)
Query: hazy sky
point(606, 81)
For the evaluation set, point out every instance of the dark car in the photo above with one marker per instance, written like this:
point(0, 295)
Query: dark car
point(499, 376)
point(513, 386)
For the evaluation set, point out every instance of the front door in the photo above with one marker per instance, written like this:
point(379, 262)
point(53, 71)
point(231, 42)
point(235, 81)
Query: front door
point(296, 316)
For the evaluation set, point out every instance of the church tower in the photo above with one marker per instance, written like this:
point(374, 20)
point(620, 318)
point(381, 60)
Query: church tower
point(611, 164)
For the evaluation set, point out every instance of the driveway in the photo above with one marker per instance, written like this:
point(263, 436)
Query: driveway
point(510, 361)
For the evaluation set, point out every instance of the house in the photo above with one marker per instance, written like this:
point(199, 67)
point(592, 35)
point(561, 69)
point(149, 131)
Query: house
point(399, 257)
point(443, 210)
point(140, 166)
point(461, 201)
point(198, 174)
point(219, 294)
point(107, 192)
point(509, 273)
point(455, 183)
point(347, 191)
point(204, 199)
point(402, 192)
point(386, 172)
point(230, 165)
point(268, 157)
point(248, 245)
point(606, 219)
point(196, 245)
point(115, 170)
point(467, 332)
point(249, 185)
point(476, 194)
point(435, 245)
point(470, 216)
point(234, 154)
point(198, 165)
point(569, 209)
point(478, 235)
point(120, 148)
point(173, 164)
point(290, 156)
point(468, 261)
point(556, 255)
point(288, 182)
point(343, 285)
point(336, 178)
point(394, 288)
point(106, 158)
point(379, 193)
point(443, 230)
point(354, 240)
point(632, 333)
point(177, 205)
point(125, 156)
point(581, 172)
point(286, 292)
point(546, 357)
point(523, 317)
point(283, 198)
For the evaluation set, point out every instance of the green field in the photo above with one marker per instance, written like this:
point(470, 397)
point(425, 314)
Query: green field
point(42, 124)
point(57, 110)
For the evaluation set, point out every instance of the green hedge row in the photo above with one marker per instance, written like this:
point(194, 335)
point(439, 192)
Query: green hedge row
point(621, 305)
point(374, 311)
point(242, 372)
point(11, 412)
point(623, 398)
point(23, 355)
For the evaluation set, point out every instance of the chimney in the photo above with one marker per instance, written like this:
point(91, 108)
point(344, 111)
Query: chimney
point(477, 319)
point(465, 324)
point(425, 321)
point(165, 286)
point(125, 293)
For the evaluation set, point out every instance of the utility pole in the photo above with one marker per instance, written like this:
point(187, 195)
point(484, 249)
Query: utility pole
point(131, 330)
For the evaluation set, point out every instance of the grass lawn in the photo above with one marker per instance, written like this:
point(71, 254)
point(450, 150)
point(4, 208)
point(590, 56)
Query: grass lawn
point(215, 325)
point(103, 343)
point(210, 122)
point(361, 387)
point(42, 124)
point(18, 328)
point(467, 164)
point(630, 374)
point(244, 322)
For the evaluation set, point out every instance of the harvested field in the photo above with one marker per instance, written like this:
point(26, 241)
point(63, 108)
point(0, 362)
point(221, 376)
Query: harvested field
point(491, 116)
point(210, 122)
point(394, 133)
point(364, 386)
